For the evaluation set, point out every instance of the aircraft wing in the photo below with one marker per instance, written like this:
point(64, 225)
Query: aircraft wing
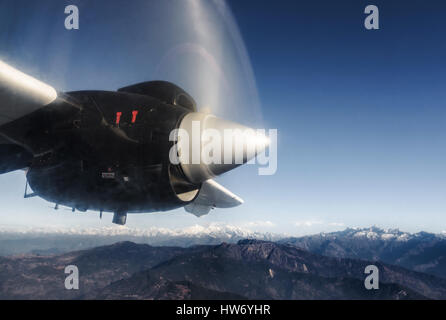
point(21, 94)
point(21, 98)
point(212, 195)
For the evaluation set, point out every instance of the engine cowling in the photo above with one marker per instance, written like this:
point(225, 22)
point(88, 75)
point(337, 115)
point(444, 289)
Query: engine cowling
point(164, 91)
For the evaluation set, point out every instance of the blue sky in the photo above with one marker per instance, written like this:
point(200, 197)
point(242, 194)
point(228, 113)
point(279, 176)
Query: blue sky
point(361, 114)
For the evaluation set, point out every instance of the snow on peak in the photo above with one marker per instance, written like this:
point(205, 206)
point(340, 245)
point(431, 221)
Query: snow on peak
point(388, 236)
point(213, 230)
point(375, 233)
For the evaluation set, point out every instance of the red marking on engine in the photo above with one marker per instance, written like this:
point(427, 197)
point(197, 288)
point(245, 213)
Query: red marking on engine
point(135, 114)
point(118, 117)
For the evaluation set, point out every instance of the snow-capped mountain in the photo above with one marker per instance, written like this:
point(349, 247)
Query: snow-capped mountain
point(218, 231)
point(58, 240)
point(422, 251)
point(376, 233)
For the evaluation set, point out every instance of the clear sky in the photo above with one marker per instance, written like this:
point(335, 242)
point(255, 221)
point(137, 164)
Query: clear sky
point(361, 114)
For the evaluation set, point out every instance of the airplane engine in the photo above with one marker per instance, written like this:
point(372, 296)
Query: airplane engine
point(142, 148)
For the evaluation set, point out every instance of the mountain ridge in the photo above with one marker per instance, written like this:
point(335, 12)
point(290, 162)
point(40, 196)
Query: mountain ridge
point(249, 269)
point(424, 252)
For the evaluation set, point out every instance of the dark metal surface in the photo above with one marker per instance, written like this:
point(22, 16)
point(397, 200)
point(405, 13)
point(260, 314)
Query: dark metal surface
point(99, 150)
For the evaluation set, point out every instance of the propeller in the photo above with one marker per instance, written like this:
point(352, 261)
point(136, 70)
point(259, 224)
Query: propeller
point(208, 58)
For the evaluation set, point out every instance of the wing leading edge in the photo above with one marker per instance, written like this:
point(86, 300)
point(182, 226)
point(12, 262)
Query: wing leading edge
point(21, 94)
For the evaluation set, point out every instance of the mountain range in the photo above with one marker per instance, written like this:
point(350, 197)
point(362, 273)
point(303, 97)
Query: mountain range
point(217, 262)
point(16, 241)
point(249, 269)
point(423, 252)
